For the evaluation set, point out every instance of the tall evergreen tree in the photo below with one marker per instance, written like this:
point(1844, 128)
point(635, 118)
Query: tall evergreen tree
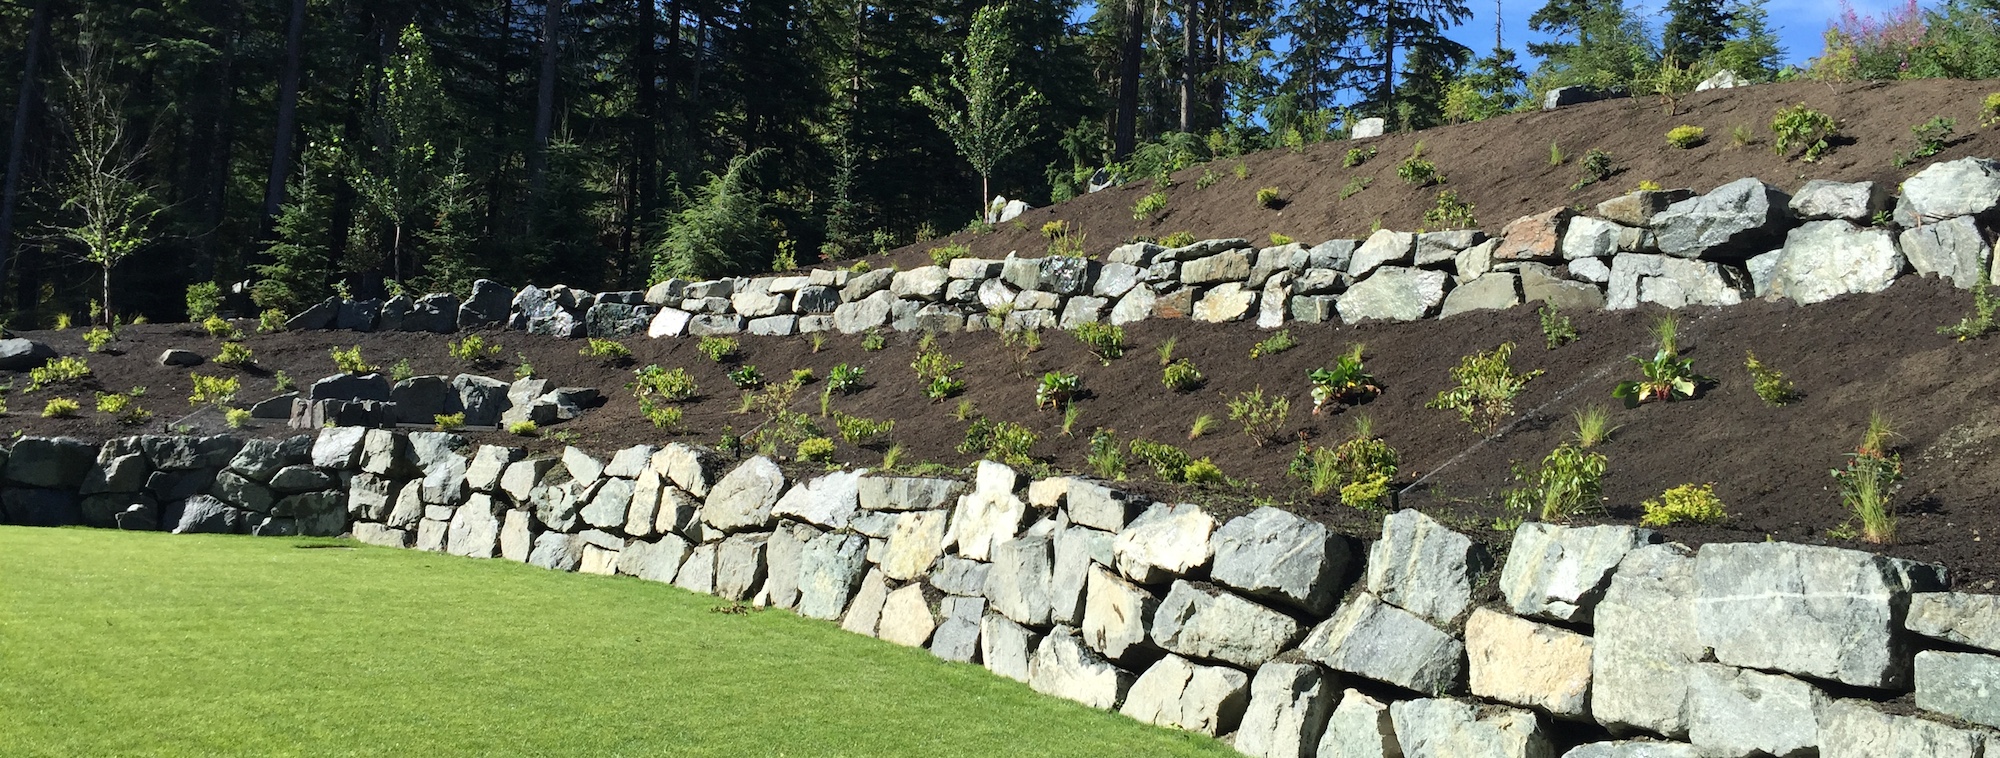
point(1695, 29)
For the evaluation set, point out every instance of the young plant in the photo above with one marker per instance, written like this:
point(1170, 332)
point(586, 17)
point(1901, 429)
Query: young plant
point(522, 428)
point(1203, 471)
point(1344, 384)
point(61, 407)
point(1770, 384)
point(845, 379)
point(1201, 426)
point(1667, 377)
point(234, 354)
point(1557, 330)
point(1056, 389)
point(1686, 504)
point(522, 368)
point(1486, 388)
point(401, 371)
point(1207, 179)
point(1166, 349)
point(282, 382)
point(1870, 480)
point(1931, 137)
point(124, 406)
point(213, 390)
point(220, 328)
point(671, 386)
point(1178, 239)
point(1280, 240)
point(1989, 110)
point(203, 299)
point(445, 422)
point(816, 449)
point(1002, 441)
point(1242, 172)
point(1742, 136)
point(1417, 171)
point(1104, 340)
point(1354, 186)
point(943, 387)
point(271, 321)
point(1685, 137)
point(474, 349)
point(945, 254)
point(746, 377)
point(606, 350)
point(1360, 469)
point(1278, 342)
point(236, 418)
point(1593, 426)
point(1169, 463)
point(1597, 167)
point(1357, 156)
point(1556, 156)
point(718, 349)
point(664, 417)
point(58, 371)
point(1450, 212)
point(349, 361)
point(1181, 376)
point(1071, 414)
point(874, 340)
point(1981, 322)
point(1799, 126)
point(1149, 205)
point(97, 338)
point(1261, 417)
point(1104, 458)
point(1269, 197)
point(861, 431)
point(1569, 483)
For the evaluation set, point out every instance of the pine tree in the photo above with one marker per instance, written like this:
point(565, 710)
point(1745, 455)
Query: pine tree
point(988, 118)
point(1752, 49)
point(1605, 45)
point(1695, 29)
point(297, 272)
point(718, 229)
point(448, 241)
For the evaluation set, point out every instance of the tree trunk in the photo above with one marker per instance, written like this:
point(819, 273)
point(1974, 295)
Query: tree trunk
point(644, 138)
point(545, 102)
point(1125, 134)
point(1189, 69)
point(17, 144)
point(288, 106)
point(106, 314)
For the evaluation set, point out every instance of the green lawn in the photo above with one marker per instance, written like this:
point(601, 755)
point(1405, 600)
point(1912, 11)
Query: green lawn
point(117, 643)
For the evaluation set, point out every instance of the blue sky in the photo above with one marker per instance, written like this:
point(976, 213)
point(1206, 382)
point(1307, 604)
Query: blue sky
point(1798, 23)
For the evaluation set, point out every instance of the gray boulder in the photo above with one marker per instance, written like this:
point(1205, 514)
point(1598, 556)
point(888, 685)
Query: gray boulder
point(1442, 728)
point(1017, 584)
point(1164, 542)
point(1274, 555)
point(1116, 614)
point(482, 398)
point(1422, 567)
point(358, 315)
point(1559, 573)
point(1730, 223)
point(744, 497)
point(557, 551)
point(125, 473)
point(608, 507)
point(1955, 249)
point(488, 305)
point(857, 316)
point(1394, 294)
point(1077, 550)
point(1360, 727)
point(1826, 259)
point(42, 507)
point(1094, 505)
point(1495, 291)
point(740, 565)
point(1672, 282)
point(1633, 749)
point(475, 529)
point(52, 462)
point(1737, 712)
point(1373, 639)
point(1212, 625)
point(906, 493)
point(1957, 617)
point(1816, 611)
point(1964, 187)
point(1823, 200)
point(1514, 660)
point(956, 638)
point(1383, 248)
point(658, 561)
point(1006, 648)
point(319, 316)
point(1645, 643)
point(1063, 667)
point(1854, 729)
point(200, 515)
point(1287, 712)
point(830, 568)
point(1959, 685)
point(1177, 694)
point(915, 541)
point(827, 501)
point(174, 357)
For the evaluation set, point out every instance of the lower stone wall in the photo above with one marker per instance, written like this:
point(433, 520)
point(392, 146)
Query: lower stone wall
point(1265, 629)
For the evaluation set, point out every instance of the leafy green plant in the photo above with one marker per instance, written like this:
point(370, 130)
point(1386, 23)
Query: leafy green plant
point(234, 354)
point(1269, 197)
point(942, 387)
point(1181, 376)
point(1418, 171)
point(816, 449)
point(474, 349)
point(603, 349)
point(1557, 329)
point(1149, 205)
point(1980, 323)
point(1242, 172)
point(1278, 342)
point(1989, 110)
point(861, 431)
point(1450, 212)
point(400, 370)
point(1260, 416)
point(1104, 340)
point(124, 406)
point(746, 377)
point(1685, 504)
point(1597, 167)
point(97, 338)
point(874, 340)
point(282, 382)
point(213, 390)
point(1569, 483)
point(445, 422)
point(220, 328)
point(1280, 240)
point(62, 321)
point(845, 379)
point(1203, 471)
point(1770, 384)
point(271, 321)
point(58, 371)
point(1931, 137)
point(672, 386)
point(1169, 463)
point(522, 428)
point(1357, 156)
point(203, 300)
point(1686, 137)
point(522, 368)
point(236, 418)
point(1667, 377)
point(349, 361)
point(1870, 479)
point(1056, 389)
point(1354, 186)
point(660, 415)
point(1799, 126)
point(718, 349)
point(943, 255)
point(1178, 239)
point(1343, 384)
point(1201, 426)
point(1105, 458)
point(1002, 441)
point(1359, 469)
point(61, 407)
point(1485, 388)
point(1207, 179)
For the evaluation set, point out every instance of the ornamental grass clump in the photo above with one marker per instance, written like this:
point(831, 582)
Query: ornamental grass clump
point(1870, 479)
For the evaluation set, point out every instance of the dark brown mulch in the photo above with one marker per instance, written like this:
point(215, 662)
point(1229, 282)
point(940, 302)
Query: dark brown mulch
point(1770, 465)
point(1502, 167)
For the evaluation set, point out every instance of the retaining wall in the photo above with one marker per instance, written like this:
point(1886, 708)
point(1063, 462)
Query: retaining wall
point(1265, 629)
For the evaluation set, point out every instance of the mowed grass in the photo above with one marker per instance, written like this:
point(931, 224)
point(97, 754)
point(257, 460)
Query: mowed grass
point(117, 643)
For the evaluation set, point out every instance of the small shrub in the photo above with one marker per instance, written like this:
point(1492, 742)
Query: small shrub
point(1181, 376)
point(816, 449)
point(1360, 469)
point(1280, 240)
point(1989, 110)
point(845, 379)
point(933, 363)
point(1980, 323)
point(203, 299)
point(944, 255)
point(401, 370)
point(862, 431)
point(1169, 463)
point(803, 376)
point(474, 349)
point(1105, 459)
point(874, 340)
point(1278, 342)
point(213, 390)
point(522, 368)
point(1931, 138)
point(1201, 426)
point(522, 428)
point(1178, 239)
point(1002, 441)
point(349, 361)
point(1345, 383)
point(1770, 384)
point(98, 338)
point(1486, 388)
point(1203, 471)
point(1149, 205)
point(234, 354)
point(746, 377)
point(1557, 329)
point(1569, 483)
point(271, 321)
point(1242, 172)
point(445, 422)
point(1357, 156)
point(1799, 126)
point(236, 418)
point(943, 387)
point(1450, 212)
point(1686, 504)
point(61, 407)
point(671, 386)
point(1104, 340)
point(1417, 171)
point(220, 328)
point(1261, 417)
point(124, 406)
point(1870, 480)
point(603, 349)
point(1354, 186)
point(282, 382)
point(1207, 179)
point(1269, 197)
point(1056, 389)
point(58, 371)
point(1686, 137)
point(1597, 167)
point(1166, 349)
point(1067, 245)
